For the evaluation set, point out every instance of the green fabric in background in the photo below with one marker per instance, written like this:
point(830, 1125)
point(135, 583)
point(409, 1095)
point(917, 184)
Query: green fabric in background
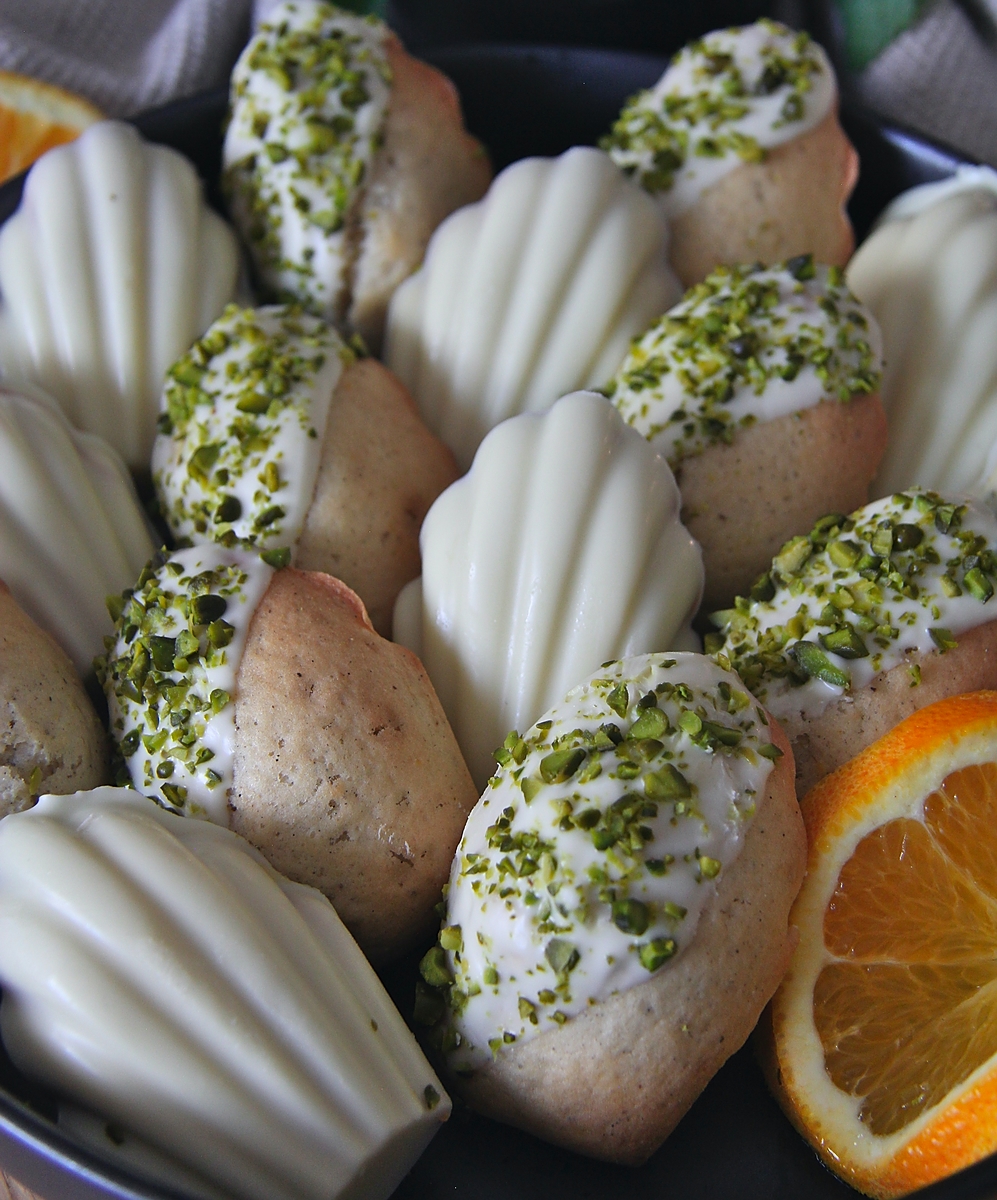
point(375, 7)
point(870, 25)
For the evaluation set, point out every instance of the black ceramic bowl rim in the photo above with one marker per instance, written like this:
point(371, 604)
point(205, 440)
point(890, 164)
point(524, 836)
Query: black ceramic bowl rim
point(589, 85)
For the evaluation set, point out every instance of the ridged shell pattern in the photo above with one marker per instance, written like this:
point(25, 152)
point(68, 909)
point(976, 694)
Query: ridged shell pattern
point(929, 274)
point(158, 972)
point(533, 292)
point(109, 270)
point(561, 549)
point(71, 529)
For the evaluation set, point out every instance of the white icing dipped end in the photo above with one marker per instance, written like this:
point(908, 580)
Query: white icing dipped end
point(928, 272)
point(158, 972)
point(181, 636)
point(309, 97)
point(748, 344)
point(529, 294)
point(110, 268)
point(71, 529)
point(560, 549)
point(589, 858)
point(726, 99)
point(244, 415)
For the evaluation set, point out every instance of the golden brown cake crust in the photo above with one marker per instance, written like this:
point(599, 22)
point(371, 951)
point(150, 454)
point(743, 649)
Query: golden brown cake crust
point(346, 774)
point(742, 502)
point(51, 740)
point(792, 203)
point(613, 1082)
point(823, 743)
point(428, 166)
point(379, 472)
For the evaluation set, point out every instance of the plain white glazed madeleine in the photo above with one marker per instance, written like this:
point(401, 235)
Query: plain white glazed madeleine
point(561, 548)
point(71, 528)
point(617, 915)
point(740, 144)
point(264, 701)
point(342, 155)
point(529, 294)
point(112, 265)
point(158, 973)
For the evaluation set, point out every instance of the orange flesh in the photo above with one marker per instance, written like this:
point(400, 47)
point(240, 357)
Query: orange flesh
point(24, 137)
point(910, 1010)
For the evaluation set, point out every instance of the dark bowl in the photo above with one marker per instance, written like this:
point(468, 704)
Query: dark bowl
point(734, 1144)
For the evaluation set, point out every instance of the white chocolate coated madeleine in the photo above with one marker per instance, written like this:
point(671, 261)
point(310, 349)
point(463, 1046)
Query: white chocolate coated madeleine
point(530, 294)
point(725, 384)
point(273, 436)
point(71, 529)
point(342, 155)
point(867, 618)
point(590, 875)
point(157, 972)
point(929, 273)
point(110, 268)
point(740, 144)
point(266, 702)
point(51, 740)
point(561, 548)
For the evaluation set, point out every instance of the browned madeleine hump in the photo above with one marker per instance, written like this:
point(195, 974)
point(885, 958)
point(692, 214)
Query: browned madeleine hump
point(791, 203)
point(822, 744)
point(428, 166)
point(742, 501)
point(51, 739)
point(379, 472)
point(615, 1081)
point(346, 774)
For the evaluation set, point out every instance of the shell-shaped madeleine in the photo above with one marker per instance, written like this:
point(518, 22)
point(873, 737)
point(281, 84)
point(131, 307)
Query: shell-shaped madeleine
point(560, 549)
point(71, 529)
point(529, 294)
point(929, 274)
point(158, 972)
point(110, 268)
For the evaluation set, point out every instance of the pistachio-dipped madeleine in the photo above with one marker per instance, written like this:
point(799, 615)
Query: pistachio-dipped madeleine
point(265, 701)
point(51, 740)
point(761, 390)
point(617, 915)
point(343, 153)
point(561, 547)
point(740, 143)
point(866, 619)
point(274, 435)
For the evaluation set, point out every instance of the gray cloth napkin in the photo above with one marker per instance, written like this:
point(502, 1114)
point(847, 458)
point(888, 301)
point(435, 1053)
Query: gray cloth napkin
point(939, 77)
point(124, 55)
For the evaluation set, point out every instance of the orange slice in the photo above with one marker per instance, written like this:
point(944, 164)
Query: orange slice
point(34, 117)
point(881, 1043)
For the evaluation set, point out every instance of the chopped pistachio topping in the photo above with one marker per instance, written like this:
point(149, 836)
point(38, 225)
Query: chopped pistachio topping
point(856, 595)
point(170, 670)
point(240, 434)
point(590, 855)
point(747, 344)
point(725, 99)
point(309, 97)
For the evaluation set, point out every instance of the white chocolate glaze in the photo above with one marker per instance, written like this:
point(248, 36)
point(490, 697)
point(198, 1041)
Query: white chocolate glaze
point(244, 414)
point(928, 272)
point(586, 864)
point(158, 972)
point(71, 529)
point(533, 292)
point(110, 268)
point(747, 344)
point(170, 675)
point(309, 97)
point(726, 99)
point(560, 549)
point(907, 573)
